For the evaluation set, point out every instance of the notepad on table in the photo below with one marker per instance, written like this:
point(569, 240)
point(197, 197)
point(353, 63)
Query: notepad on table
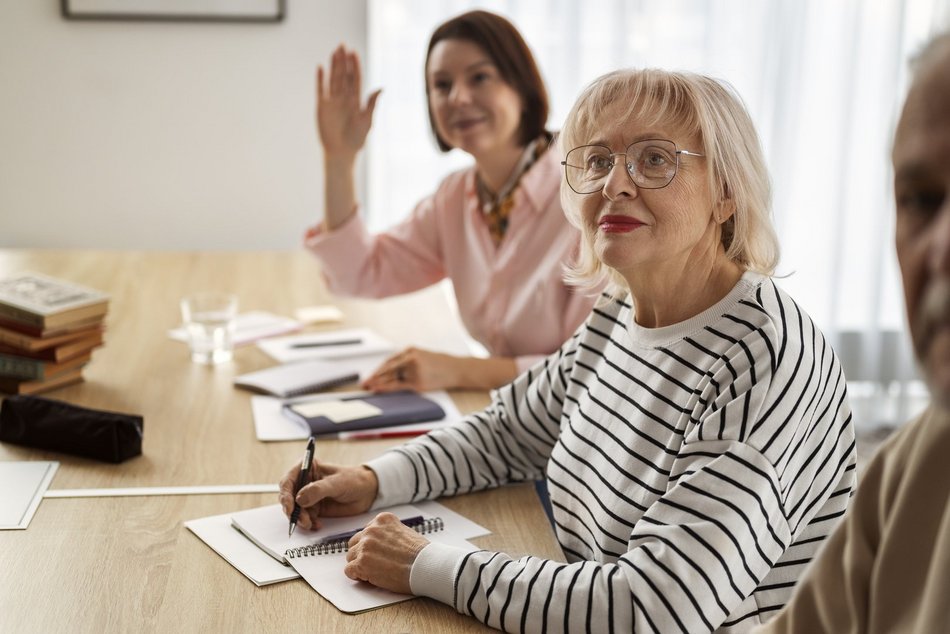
point(294, 379)
point(334, 344)
point(373, 411)
point(235, 548)
point(265, 562)
point(270, 535)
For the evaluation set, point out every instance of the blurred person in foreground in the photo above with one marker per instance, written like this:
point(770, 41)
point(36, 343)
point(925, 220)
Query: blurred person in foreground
point(887, 566)
point(695, 432)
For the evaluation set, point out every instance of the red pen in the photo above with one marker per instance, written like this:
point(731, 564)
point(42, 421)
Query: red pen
point(375, 435)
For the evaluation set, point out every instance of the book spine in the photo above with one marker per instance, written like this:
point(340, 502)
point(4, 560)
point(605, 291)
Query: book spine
point(21, 368)
point(14, 339)
point(26, 317)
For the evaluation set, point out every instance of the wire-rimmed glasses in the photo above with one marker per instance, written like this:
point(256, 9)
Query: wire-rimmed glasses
point(651, 164)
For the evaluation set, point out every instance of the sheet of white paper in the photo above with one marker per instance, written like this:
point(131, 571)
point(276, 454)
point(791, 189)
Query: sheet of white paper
point(325, 574)
point(218, 533)
point(24, 483)
point(370, 343)
point(271, 425)
point(454, 523)
point(250, 327)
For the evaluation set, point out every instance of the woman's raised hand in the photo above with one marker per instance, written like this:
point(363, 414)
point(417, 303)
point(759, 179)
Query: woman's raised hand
point(342, 122)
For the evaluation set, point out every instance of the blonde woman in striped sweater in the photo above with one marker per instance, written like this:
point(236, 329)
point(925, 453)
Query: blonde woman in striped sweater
point(695, 432)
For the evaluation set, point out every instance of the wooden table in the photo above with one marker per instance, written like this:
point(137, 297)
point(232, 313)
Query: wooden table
point(126, 564)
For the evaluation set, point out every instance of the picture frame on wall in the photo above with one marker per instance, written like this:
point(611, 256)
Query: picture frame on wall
point(176, 10)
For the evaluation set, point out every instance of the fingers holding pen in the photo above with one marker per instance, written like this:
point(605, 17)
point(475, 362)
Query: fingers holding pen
point(333, 491)
point(288, 491)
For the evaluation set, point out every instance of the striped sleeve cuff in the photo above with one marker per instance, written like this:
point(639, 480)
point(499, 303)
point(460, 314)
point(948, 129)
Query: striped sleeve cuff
point(395, 480)
point(434, 572)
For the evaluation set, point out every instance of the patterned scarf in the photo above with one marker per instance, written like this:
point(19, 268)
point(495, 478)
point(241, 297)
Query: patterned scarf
point(497, 207)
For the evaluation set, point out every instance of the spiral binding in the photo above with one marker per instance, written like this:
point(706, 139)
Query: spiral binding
point(428, 525)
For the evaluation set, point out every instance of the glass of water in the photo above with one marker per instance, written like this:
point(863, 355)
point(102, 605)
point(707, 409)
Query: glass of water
point(209, 319)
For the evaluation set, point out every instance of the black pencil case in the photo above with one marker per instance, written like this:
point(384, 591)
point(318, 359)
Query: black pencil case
point(34, 421)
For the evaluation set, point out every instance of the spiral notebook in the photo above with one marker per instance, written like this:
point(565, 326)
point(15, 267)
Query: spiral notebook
point(294, 379)
point(321, 563)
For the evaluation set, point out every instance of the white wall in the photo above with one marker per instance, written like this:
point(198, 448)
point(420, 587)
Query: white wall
point(162, 135)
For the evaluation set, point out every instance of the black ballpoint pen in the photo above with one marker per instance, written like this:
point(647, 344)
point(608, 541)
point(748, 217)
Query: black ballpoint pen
point(301, 481)
point(346, 535)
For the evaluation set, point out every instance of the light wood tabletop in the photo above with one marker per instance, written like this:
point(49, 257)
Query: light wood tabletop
point(127, 564)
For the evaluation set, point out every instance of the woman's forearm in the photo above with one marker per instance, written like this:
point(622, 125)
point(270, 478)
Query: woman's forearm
point(339, 190)
point(485, 374)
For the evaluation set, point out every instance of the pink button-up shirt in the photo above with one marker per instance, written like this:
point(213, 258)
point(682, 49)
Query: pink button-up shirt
point(511, 298)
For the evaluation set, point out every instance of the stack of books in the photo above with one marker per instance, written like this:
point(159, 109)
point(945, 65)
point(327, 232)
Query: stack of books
point(48, 330)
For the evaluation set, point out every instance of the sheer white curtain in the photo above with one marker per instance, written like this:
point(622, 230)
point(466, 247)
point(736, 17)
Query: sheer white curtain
point(823, 81)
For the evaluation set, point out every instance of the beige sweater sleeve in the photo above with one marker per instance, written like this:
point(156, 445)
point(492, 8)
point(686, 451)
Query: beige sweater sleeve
point(887, 566)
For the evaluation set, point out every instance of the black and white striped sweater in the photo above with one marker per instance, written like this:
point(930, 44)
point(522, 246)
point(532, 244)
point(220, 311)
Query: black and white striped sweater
point(694, 471)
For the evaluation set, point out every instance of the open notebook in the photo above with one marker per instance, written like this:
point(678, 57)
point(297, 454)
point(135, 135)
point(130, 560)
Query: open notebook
point(265, 563)
point(294, 379)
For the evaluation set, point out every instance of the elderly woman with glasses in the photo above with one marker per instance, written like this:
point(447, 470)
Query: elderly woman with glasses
point(695, 431)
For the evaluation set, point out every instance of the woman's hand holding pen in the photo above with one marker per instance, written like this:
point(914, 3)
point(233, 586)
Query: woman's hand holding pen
point(334, 491)
point(383, 553)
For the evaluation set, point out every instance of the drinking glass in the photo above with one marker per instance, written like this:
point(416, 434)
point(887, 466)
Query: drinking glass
point(209, 320)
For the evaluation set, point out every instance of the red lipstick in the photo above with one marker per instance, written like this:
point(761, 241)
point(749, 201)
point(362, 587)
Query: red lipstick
point(618, 224)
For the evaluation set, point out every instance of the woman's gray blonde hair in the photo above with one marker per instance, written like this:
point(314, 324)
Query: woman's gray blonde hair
point(694, 104)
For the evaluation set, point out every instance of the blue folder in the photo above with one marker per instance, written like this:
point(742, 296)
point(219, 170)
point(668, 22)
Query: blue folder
point(398, 408)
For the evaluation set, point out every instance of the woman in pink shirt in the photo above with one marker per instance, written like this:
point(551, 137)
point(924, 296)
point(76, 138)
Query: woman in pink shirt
point(496, 230)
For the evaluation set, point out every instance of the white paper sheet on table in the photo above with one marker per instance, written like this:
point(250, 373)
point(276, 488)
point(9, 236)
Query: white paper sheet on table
point(22, 488)
point(370, 343)
point(217, 532)
point(271, 425)
point(250, 327)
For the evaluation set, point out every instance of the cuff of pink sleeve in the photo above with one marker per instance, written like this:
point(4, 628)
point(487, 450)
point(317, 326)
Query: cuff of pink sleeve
point(336, 243)
point(434, 571)
point(395, 479)
point(525, 362)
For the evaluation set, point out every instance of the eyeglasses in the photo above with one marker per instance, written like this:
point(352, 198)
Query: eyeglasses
point(651, 164)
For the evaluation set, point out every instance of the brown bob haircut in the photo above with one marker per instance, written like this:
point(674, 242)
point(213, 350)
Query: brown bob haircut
point(508, 51)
